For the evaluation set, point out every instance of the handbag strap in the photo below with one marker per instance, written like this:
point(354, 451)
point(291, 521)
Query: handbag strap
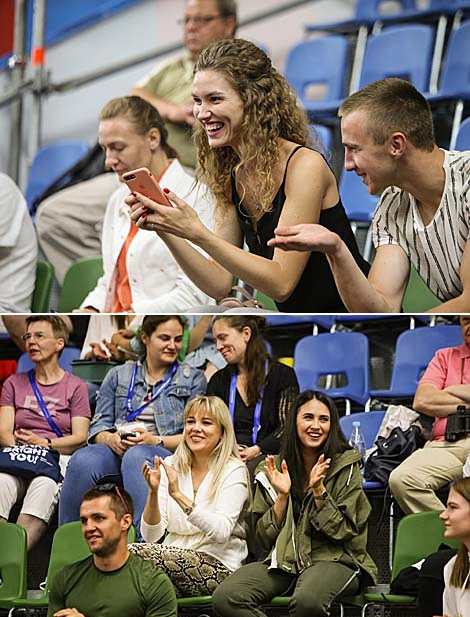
point(42, 404)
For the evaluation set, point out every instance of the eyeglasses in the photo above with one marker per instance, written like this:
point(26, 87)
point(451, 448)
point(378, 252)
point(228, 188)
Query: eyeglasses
point(198, 21)
point(39, 336)
point(113, 488)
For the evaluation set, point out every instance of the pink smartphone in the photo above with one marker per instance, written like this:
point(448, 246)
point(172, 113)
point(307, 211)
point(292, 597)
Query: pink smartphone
point(142, 181)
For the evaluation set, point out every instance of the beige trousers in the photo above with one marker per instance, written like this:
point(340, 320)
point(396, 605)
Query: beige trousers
point(414, 482)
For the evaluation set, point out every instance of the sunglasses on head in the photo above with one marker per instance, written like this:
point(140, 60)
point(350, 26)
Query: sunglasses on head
point(113, 488)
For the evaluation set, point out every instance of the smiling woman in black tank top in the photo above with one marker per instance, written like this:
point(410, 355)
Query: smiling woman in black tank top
point(255, 156)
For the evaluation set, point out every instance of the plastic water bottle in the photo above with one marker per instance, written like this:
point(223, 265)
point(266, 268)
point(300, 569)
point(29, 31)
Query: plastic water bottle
point(358, 442)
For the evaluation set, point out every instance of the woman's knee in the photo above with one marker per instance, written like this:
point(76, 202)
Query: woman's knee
point(9, 494)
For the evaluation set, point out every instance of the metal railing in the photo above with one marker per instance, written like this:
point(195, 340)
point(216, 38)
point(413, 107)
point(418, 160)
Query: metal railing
point(41, 83)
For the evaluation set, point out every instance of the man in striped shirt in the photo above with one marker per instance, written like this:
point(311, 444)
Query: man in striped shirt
point(423, 216)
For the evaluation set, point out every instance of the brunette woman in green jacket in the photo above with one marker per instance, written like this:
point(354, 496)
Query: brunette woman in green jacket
point(309, 515)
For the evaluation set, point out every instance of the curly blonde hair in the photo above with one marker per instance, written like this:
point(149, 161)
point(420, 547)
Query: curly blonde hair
point(271, 110)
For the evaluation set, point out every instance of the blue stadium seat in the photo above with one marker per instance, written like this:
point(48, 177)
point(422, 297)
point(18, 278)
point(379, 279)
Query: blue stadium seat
point(322, 63)
point(367, 12)
point(50, 162)
point(399, 51)
point(324, 135)
point(359, 205)
point(370, 424)
point(413, 352)
point(454, 84)
point(341, 353)
point(323, 321)
point(463, 136)
point(68, 355)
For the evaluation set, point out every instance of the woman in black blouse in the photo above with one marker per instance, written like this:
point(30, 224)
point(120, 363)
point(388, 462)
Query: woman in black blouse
point(257, 389)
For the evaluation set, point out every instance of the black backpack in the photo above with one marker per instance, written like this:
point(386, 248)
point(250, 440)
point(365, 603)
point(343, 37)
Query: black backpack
point(391, 451)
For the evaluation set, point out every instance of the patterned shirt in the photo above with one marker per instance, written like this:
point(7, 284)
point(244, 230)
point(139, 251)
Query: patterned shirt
point(436, 249)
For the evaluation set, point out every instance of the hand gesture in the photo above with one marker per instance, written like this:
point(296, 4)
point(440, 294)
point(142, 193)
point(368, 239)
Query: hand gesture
point(181, 113)
point(305, 237)
point(98, 352)
point(172, 475)
point(248, 454)
point(152, 476)
point(279, 479)
point(318, 473)
point(181, 220)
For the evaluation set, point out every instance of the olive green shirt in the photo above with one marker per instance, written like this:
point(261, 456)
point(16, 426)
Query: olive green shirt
point(137, 589)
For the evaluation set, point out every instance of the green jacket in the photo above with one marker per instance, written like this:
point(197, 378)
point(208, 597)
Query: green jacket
point(336, 532)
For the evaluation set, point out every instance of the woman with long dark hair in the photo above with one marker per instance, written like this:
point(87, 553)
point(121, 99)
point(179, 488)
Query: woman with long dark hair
point(310, 517)
point(257, 389)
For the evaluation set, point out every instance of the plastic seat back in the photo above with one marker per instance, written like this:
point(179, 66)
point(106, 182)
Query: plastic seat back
point(341, 353)
point(414, 350)
point(50, 162)
point(79, 280)
point(371, 10)
point(13, 563)
point(463, 136)
point(320, 62)
point(68, 546)
point(370, 424)
point(455, 73)
point(42, 287)
point(356, 199)
point(399, 51)
point(418, 535)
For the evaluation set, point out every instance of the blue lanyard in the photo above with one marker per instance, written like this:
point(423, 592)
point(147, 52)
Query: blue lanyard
point(259, 403)
point(42, 404)
point(133, 413)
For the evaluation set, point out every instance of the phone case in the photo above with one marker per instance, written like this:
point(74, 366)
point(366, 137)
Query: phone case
point(142, 181)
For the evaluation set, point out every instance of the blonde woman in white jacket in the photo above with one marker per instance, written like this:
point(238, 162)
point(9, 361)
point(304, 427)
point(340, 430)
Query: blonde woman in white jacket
point(196, 503)
point(456, 517)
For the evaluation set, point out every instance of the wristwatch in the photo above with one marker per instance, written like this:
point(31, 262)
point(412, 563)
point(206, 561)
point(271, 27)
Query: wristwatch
point(321, 496)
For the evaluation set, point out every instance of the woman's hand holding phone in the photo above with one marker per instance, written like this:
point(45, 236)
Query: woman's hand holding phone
point(181, 220)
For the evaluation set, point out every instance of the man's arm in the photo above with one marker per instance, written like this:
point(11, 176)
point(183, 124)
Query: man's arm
point(181, 113)
point(381, 292)
point(460, 304)
point(432, 401)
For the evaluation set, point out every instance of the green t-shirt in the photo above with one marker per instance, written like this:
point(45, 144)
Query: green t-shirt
point(137, 589)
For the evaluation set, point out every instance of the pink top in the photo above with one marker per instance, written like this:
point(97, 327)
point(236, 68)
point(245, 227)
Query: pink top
point(449, 366)
point(64, 399)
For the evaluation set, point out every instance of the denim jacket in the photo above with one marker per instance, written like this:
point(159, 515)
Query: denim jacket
point(168, 408)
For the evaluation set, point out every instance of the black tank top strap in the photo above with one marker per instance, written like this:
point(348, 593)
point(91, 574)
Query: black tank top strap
point(288, 161)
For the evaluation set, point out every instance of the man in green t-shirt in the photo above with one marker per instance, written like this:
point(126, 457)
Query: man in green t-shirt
point(112, 581)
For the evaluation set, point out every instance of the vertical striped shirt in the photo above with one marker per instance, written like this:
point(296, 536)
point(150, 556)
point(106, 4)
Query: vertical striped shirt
point(436, 249)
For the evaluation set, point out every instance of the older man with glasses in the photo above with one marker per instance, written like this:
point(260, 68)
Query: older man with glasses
point(111, 580)
point(168, 87)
